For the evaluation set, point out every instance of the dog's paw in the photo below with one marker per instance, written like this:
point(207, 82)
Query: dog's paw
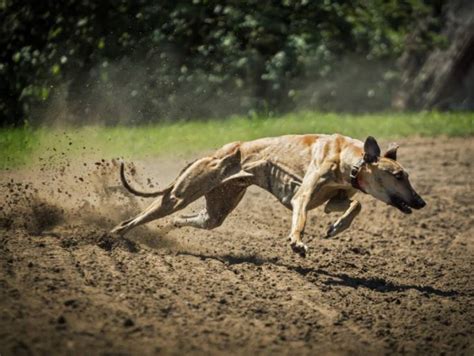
point(333, 230)
point(118, 230)
point(115, 231)
point(299, 248)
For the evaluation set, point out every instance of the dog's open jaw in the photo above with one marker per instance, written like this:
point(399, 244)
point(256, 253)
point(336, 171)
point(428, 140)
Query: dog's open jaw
point(400, 204)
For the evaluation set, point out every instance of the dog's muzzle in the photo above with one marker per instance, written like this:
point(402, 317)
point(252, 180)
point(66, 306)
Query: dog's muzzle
point(416, 203)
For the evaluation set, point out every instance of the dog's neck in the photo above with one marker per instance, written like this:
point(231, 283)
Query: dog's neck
point(351, 165)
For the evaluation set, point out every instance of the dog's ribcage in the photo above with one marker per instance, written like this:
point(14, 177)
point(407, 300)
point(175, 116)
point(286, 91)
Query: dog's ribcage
point(280, 182)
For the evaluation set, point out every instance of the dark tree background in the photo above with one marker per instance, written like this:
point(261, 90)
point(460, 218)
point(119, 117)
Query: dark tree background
point(82, 61)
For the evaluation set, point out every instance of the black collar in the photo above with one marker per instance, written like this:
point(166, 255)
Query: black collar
point(355, 169)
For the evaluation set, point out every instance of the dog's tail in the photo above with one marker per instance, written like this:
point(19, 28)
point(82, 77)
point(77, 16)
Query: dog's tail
point(136, 192)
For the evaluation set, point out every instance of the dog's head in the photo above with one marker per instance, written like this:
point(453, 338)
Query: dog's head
point(385, 179)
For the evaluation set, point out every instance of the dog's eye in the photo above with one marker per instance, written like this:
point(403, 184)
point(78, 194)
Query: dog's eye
point(398, 175)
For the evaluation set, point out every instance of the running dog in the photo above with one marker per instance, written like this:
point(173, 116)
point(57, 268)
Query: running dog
point(301, 171)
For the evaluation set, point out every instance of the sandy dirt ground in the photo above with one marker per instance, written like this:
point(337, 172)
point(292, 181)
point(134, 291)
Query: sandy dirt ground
point(392, 284)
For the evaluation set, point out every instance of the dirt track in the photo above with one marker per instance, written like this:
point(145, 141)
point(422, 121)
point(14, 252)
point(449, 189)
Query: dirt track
point(391, 284)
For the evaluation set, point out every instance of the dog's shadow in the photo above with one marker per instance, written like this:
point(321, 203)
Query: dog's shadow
point(335, 279)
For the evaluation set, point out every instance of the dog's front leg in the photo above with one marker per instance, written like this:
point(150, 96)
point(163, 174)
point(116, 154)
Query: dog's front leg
point(345, 220)
point(314, 179)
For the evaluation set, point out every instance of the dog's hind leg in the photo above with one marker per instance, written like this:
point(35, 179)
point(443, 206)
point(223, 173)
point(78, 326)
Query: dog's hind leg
point(219, 204)
point(168, 204)
point(345, 220)
point(198, 179)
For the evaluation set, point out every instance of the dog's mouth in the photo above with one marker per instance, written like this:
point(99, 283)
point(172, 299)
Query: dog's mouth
point(400, 205)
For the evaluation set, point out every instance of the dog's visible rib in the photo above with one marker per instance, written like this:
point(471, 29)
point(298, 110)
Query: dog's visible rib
point(138, 193)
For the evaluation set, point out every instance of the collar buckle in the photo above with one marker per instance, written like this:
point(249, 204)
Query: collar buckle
point(355, 169)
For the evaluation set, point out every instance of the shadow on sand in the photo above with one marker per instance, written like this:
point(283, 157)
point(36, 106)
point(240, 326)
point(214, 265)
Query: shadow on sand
point(335, 279)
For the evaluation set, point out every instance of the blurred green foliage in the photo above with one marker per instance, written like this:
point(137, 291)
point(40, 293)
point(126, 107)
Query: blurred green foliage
point(141, 61)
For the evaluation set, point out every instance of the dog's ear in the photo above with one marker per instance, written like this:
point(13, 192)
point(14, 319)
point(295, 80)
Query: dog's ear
point(392, 151)
point(371, 150)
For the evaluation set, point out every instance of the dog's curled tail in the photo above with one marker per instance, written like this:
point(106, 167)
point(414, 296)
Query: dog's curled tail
point(136, 192)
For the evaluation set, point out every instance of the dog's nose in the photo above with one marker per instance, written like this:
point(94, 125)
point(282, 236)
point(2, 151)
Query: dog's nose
point(422, 203)
point(418, 202)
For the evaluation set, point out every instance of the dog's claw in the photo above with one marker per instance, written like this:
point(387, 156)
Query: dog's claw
point(299, 248)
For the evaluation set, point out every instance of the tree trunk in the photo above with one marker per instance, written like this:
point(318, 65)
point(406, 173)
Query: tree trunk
point(444, 80)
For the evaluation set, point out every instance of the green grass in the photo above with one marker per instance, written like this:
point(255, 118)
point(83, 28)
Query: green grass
point(22, 146)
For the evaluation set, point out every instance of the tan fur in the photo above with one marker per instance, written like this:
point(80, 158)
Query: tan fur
point(301, 171)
